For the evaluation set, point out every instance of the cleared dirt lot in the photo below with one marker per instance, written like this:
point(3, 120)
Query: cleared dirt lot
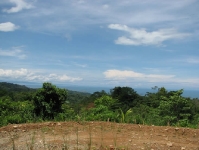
point(96, 135)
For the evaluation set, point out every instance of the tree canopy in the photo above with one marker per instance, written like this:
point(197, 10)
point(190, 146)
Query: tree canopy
point(126, 97)
point(18, 104)
point(48, 101)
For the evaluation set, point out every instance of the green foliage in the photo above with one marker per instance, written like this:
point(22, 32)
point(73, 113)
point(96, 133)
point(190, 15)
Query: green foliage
point(105, 100)
point(19, 104)
point(102, 110)
point(75, 97)
point(100, 113)
point(124, 117)
point(48, 101)
point(175, 108)
point(92, 98)
point(67, 113)
point(14, 87)
point(16, 92)
point(15, 112)
point(126, 97)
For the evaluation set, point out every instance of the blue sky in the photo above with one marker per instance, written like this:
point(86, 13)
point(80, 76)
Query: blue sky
point(105, 43)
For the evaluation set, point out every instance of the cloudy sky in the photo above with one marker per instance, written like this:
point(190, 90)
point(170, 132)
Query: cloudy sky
point(104, 43)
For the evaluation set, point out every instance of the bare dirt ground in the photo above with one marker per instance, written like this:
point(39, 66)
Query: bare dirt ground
point(96, 135)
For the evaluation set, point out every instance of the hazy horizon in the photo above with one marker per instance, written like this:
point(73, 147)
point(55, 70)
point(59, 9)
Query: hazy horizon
point(192, 93)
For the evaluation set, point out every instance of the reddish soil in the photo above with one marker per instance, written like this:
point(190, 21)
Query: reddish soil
point(96, 135)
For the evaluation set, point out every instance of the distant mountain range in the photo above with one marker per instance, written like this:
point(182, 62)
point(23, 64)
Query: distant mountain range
point(14, 87)
point(6, 87)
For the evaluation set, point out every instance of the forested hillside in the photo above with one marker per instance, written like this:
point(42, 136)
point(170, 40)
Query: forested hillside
point(20, 104)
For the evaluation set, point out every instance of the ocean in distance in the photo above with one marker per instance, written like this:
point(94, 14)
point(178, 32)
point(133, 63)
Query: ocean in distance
point(140, 91)
point(92, 89)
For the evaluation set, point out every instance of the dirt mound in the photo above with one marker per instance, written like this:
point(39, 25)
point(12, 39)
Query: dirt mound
point(97, 135)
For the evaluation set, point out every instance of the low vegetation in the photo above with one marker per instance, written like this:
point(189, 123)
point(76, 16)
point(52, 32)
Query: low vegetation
point(19, 104)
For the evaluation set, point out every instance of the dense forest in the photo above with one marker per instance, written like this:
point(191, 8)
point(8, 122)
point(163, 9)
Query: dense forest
point(20, 104)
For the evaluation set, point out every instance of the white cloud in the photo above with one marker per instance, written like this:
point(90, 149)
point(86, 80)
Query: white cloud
point(142, 37)
point(187, 59)
point(193, 60)
point(127, 78)
point(26, 75)
point(15, 52)
point(79, 65)
point(117, 74)
point(67, 78)
point(51, 16)
point(14, 73)
point(123, 75)
point(8, 26)
point(20, 5)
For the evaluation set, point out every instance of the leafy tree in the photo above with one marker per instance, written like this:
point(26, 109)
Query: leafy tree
point(48, 101)
point(102, 109)
point(126, 96)
point(153, 99)
point(175, 108)
point(105, 100)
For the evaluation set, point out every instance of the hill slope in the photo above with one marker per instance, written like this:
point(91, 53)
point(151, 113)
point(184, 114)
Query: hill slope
point(14, 87)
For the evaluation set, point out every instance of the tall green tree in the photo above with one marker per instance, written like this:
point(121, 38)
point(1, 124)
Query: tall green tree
point(126, 96)
point(48, 101)
point(175, 108)
point(153, 99)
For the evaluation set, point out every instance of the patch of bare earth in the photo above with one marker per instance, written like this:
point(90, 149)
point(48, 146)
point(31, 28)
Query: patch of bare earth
point(96, 135)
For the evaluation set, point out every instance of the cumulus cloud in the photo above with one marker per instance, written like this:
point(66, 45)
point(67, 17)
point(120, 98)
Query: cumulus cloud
point(14, 73)
point(8, 26)
point(125, 74)
point(67, 78)
point(27, 75)
point(19, 5)
point(142, 37)
point(14, 52)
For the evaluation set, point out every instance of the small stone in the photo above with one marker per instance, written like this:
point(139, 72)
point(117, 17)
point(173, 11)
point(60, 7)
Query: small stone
point(169, 144)
point(111, 147)
point(15, 126)
point(183, 148)
point(166, 129)
point(176, 129)
point(59, 124)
